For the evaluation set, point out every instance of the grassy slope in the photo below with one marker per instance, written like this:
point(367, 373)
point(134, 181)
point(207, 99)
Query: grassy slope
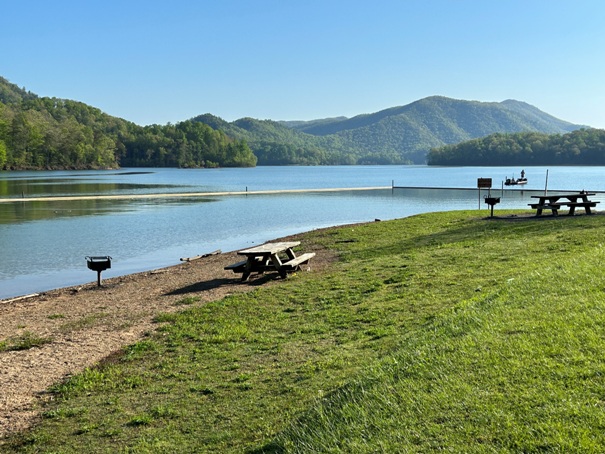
point(436, 332)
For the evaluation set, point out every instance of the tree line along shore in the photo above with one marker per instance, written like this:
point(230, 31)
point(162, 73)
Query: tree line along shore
point(51, 133)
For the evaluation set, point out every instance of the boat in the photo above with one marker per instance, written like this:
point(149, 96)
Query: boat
point(516, 181)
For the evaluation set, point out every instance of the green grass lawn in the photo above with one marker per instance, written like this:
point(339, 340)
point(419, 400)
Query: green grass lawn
point(439, 332)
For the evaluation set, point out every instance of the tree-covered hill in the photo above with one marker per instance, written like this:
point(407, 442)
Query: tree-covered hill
point(417, 127)
point(50, 133)
point(273, 143)
point(581, 147)
point(451, 119)
point(397, 135)
point(303, 125)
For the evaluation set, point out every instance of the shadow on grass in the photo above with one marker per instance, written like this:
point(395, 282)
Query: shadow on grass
point(271, 448)
point(215, 283)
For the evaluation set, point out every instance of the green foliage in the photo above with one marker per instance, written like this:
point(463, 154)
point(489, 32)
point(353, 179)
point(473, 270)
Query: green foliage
point(188, 300)
point(400, 135)
point(276, 144)
point(186, 144)
point(581, 147)
point(439, 332)
point(50, 133)
point(23, 341)
point(3, 154)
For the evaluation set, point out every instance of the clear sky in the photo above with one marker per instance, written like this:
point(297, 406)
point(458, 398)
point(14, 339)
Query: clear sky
point(152, 61)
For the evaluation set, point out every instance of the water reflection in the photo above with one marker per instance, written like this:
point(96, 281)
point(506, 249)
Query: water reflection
point(70, 187)
point(43, 244)
point(27, 211)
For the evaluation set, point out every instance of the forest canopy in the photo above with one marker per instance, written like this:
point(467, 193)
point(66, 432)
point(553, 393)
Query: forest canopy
point(581, 147)
point(51, 133)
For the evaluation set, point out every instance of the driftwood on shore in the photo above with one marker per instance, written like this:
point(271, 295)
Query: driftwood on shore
point(197, 257)
point(19, 298)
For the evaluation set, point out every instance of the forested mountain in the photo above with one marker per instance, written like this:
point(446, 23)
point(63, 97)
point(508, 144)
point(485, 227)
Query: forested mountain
point(276, 144)
point(581, 147)
point(393, 136)
point(303, 125)
point(51, 133)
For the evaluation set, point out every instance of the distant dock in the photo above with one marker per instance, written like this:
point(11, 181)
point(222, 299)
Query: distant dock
point(164, 195)
point(183, 194)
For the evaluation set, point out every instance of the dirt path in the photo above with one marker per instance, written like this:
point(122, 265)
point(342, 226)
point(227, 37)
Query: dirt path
point(86, 324)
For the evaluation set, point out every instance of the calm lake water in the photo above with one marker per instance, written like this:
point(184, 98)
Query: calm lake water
point(44, 244)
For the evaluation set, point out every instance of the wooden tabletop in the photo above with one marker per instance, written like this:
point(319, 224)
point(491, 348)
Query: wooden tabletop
point(269, 248)
point(553, 197)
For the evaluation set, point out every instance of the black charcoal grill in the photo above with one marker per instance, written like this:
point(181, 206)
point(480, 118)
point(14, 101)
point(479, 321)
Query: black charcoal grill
point(98, 264)
point(491, 201)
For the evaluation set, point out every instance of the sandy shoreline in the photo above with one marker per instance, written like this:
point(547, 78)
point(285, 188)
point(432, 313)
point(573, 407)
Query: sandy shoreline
point(85, 324)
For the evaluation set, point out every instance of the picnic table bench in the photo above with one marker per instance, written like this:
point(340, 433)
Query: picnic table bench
point(554, 207)
point(554, 202)
point(278, 257)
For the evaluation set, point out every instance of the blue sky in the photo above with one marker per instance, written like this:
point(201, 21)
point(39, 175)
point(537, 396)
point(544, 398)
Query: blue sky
point(151, 61)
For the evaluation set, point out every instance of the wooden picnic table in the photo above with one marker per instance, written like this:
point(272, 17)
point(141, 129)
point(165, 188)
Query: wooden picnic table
point(554, 202)
point(278, 257)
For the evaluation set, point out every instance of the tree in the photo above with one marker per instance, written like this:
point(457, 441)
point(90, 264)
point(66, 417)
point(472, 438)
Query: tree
point(2, 154)
point(581, 147)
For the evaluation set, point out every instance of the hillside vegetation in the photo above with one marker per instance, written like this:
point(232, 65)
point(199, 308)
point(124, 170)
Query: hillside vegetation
point(398, 135)
point(440, 332)
point(51, 133)
point(582, 147)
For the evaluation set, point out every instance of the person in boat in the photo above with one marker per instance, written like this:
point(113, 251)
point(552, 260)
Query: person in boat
point(522, 174)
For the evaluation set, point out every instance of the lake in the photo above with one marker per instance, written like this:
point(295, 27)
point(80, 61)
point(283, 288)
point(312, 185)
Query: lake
point(44, 243)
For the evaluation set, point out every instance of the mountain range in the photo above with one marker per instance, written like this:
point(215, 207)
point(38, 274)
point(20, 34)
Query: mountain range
point(40, 132)
point(403, 134)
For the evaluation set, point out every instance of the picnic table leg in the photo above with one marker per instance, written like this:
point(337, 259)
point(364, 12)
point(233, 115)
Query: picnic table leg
point(248, 269)
point(572, 210)
point(278, 265)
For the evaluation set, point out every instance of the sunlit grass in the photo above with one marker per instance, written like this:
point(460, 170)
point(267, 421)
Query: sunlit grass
point(437, 332)
point(23, 341)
